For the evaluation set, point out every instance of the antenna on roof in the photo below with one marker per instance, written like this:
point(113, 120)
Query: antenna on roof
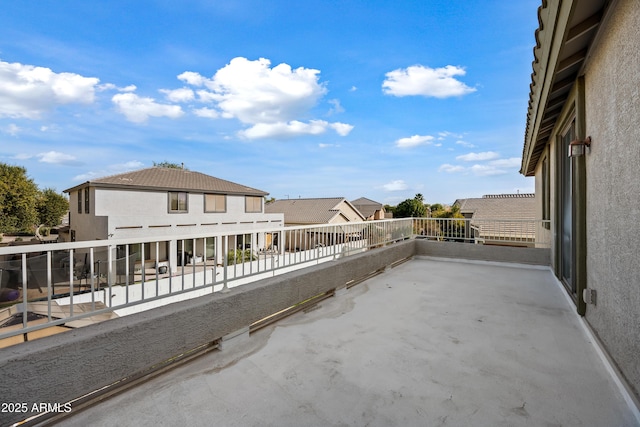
point(182, 165)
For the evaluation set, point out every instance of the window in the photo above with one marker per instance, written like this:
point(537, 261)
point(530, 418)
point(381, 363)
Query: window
point(86, 200)
point(178, 201)
point(135, 251)
point(215, 203)
point(79, 201)
point(253, 204)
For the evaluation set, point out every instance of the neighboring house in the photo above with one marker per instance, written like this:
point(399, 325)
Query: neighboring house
point(158, 201)
point(585, 88)
point(369, 209)
point(333, 211)
point(498, 217)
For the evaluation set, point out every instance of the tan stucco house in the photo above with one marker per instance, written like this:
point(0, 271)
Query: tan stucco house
point(585, 94)
point(370, 209)
point(318, 211)
point(328, 210)
point(503, 219)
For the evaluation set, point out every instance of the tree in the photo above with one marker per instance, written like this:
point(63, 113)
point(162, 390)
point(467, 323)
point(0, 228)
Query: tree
point(389, 208)
point(449, 212)
point(18, 198)
point(436, 207)
point(51, 206)
point(411, 208)
point(169, 165)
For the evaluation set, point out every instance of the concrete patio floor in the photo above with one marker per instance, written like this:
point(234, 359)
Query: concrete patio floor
point(428, 343)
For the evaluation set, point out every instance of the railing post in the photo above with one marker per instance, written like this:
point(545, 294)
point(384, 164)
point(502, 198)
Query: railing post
point(110, 250)
point(225, 265)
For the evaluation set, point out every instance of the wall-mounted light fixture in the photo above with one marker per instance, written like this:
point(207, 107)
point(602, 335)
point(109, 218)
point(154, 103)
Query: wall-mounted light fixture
point(577, 148)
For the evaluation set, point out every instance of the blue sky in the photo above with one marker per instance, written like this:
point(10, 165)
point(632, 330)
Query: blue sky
point(377, 99)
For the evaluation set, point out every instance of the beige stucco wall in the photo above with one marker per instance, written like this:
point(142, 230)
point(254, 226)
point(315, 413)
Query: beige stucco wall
point(349, 212)
point(612, 80)
point(86, 226)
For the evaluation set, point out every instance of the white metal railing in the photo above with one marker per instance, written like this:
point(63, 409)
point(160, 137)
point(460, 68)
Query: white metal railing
point(44, 286)
point(509, 232)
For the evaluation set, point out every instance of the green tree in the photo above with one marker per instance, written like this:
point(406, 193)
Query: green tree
point(389, 208)
point(51, 206)
point(450, 212)
point(18, 199)
point(169, 165)
point(411, 208)
point(436, 207)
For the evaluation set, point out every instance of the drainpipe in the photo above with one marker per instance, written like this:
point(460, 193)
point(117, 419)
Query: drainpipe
point(580, 202)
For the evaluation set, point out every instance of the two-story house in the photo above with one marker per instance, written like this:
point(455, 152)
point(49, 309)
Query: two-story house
point(168, 203)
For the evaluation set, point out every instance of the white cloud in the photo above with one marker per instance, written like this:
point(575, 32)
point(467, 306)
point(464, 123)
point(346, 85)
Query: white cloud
point(254, 93)
point(512, 162)
point(337, 108)
point(50, 128)
point(57, 158)
point(179, 95)
point(22, 156)
point(487, 170)
point(269, 99)
point(353, 89)
point(450, 168)
point(293, 128)
point(110, 170)
point(425, 81)
point(138, 109)
point(321, 145)
point(12, 129)
point(446, 134)
point(465, 144)
point(490, 168)
point(27, 91)
point(396, 185)
point(208, 113)
point(474, 157)
point(127, 166)
point(87, 176)
point(194, 79)
point(111, 86)
point(414, 141)
point(341, 129)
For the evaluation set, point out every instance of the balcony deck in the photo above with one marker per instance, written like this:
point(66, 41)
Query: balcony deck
point(430, 342)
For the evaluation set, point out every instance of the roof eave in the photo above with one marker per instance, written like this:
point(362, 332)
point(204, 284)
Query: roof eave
point(151, 188)
point(563, 40)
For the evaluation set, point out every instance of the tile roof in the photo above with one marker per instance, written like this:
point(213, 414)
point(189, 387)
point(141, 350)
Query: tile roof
point(306, 211)
point(500, 206)
point(367, 207)
point(501, 214)
point(159, 178)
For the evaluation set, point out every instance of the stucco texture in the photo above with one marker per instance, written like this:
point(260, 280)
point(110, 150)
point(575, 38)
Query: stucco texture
point(612, 81)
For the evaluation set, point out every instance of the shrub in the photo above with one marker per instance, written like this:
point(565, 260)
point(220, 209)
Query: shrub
point(239, 256)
